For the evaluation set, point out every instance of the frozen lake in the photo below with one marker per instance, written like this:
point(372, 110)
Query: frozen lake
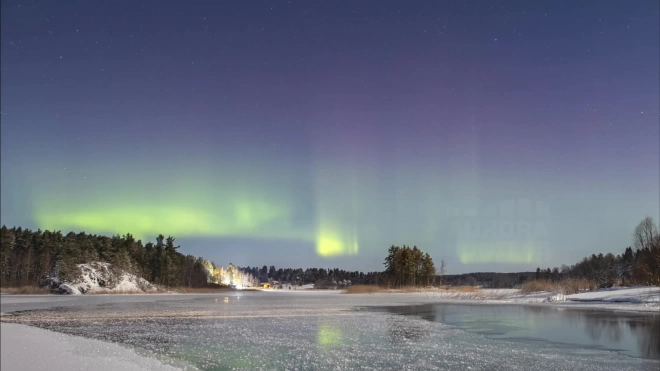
point(329, 331)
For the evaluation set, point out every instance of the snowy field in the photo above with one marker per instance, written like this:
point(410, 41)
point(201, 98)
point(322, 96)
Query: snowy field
point(278, 330)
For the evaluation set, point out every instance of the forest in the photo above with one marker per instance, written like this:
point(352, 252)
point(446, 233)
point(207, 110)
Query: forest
point(30, 258)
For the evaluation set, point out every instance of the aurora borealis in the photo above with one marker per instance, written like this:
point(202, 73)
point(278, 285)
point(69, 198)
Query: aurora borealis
point(308, 133)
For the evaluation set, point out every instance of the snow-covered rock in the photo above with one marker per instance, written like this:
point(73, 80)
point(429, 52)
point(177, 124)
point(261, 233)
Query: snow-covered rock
point(99, 277)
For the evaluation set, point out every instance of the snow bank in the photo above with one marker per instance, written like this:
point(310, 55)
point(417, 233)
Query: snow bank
point(620, 295)
point(30, 348)
point(98, 277)
point(637, 295)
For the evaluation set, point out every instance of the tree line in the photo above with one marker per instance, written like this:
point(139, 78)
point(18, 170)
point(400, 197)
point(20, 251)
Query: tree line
point(489, 279)
point(405, 266)
point(320, 276)
point(639, 264)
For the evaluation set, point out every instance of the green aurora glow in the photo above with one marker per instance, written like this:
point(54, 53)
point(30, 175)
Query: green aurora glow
point(344, 214)
point(345, 211)
point(478, 252)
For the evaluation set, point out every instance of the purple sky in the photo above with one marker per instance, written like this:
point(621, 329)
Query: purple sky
point(374, 122)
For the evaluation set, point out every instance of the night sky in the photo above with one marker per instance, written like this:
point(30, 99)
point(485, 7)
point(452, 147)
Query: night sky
point(497, 135)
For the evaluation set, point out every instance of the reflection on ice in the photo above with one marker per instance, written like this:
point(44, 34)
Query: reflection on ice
point(603, 326)
point(633, 334)
point(328, 335)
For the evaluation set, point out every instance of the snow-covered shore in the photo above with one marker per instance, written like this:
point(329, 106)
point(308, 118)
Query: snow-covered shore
point(637, 299)
point(30, 348)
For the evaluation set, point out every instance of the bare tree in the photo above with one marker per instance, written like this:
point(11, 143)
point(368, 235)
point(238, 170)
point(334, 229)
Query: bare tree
point(646, 234)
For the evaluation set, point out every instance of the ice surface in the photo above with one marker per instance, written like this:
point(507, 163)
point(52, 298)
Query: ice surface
point(305, 330)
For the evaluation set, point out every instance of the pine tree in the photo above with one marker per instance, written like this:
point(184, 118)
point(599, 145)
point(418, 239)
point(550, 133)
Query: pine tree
point(406, 266)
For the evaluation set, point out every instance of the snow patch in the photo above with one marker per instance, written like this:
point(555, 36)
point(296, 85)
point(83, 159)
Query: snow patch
point(30, 348)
